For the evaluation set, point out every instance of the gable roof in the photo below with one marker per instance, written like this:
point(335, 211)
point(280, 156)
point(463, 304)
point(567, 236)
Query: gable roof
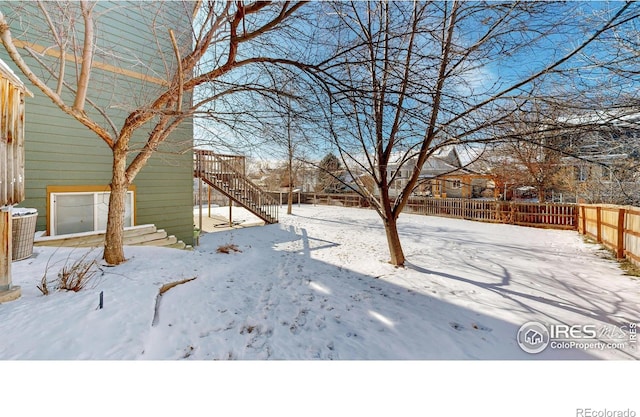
point(617, 118)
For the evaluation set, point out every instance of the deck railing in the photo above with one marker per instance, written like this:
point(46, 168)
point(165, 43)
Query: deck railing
point(225, 173)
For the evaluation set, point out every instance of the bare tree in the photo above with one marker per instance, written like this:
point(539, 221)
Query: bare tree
point(408, 78)
point(288, 129)
point(529, 149)
point(214, 41)
point(603, 113)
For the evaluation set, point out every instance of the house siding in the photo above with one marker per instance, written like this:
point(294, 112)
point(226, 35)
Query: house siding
point(62, 152)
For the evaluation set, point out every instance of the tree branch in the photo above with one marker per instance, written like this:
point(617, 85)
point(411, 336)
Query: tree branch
point(7, 41)
point(180, 74)
point(87, 56)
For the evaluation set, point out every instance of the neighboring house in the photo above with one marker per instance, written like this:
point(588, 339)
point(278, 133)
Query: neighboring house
point(276, 178)
point(604, 166)
point(68, 168)
point(443, 175)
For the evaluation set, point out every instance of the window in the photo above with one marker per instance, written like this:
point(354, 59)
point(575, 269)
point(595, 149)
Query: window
point(456, 184)
point(582, 173)
point(83, 211)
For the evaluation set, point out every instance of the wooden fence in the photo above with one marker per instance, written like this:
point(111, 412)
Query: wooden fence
point(616, 227)
point(342, 200)
point(11, 142)
point(12, 109)
point(550, 215)
point(557, 216)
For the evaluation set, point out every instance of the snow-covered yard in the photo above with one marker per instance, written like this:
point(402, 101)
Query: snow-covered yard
point(317, 286)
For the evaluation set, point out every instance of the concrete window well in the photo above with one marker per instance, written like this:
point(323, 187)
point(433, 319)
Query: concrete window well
point(23, 224)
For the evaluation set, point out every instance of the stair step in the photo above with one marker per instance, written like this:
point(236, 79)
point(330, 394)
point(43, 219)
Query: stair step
point(243, 193)
point(166, 241)
point(143, 239)
point(144, 235)
point(180, 245)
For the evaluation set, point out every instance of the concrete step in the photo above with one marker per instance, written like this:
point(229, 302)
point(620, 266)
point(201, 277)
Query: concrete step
point(138, 235)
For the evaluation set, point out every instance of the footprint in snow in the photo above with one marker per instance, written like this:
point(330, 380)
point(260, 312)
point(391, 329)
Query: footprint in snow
point(474, 326)
point(456, 326)
point(478, 326)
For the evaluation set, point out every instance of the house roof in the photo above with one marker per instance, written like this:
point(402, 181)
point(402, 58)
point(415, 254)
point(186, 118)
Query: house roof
point(443, 161)
point(617, 118)
point(7, 73)
point(436, 166)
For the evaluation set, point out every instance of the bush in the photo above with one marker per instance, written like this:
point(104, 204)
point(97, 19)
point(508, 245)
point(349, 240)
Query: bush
point(74, 276)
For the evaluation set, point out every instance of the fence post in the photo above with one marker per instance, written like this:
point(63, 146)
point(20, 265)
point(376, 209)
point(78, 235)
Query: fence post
point(8, 292)
point(599, 224)
point(583, 212)
point(620, 246)
point(5, 249)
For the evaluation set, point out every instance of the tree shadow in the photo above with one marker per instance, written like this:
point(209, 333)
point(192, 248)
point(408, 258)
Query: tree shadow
point(554, 295)
point(311, 307)
point(292, 293)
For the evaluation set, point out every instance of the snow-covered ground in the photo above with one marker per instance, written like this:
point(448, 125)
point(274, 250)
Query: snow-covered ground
point(317, 286)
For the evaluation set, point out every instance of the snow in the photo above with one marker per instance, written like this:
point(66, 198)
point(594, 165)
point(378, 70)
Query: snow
point(317, 286)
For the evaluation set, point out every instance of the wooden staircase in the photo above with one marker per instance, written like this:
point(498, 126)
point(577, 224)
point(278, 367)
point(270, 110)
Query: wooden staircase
point(225, 173)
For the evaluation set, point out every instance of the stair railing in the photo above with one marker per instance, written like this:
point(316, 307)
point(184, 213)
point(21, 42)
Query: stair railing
point(226, 174)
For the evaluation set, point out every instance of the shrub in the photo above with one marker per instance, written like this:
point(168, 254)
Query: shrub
point(44, 289)
point(74, 276)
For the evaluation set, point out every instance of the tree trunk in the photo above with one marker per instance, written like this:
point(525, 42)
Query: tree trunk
point(393, 240)
point(114, 239)
point(290, 195)
point(290, 163)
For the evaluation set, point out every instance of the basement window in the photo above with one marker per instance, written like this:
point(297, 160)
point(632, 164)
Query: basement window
point(83, 211)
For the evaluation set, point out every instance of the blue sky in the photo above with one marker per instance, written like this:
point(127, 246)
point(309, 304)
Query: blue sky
point(502, 68)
